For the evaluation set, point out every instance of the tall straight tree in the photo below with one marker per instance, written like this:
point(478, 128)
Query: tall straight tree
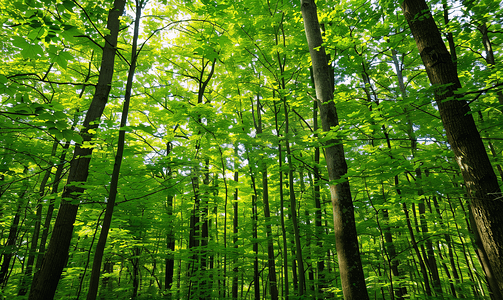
point(348, 254)
point(46, 280)
point(463, 136)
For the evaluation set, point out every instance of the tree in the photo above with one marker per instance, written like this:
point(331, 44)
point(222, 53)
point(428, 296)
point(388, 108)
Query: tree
point(46, 280)
point(464, 138)
point(348, 252)
point(226, 88)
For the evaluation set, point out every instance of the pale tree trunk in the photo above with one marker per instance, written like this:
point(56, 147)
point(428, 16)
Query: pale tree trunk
point(46, 281)
point(348, 254)
point(463, 136)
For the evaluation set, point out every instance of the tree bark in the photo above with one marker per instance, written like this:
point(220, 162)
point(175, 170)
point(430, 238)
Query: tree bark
point(462, 134)
point(235, 230)
point(50, 208)
point(46, 282)
point(28, 274)
point(351, 270)
point(107, 219)
point(10, 247)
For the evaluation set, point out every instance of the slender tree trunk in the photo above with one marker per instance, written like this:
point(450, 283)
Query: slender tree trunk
point(135, 262)
point(319, 231)
point(26, 280)
point(430, 257)
point(170, 238)
point(50, 208)
point(286, 284)
point(256, 276)
point(10, 247)
point(235, 227)
point(422, 265)
point(463, 136)
point(489, 53)
point(449, 243)
point(107, 220)
point(348, 254)
point(45, 283)
point(293, 208)
point(273, 285)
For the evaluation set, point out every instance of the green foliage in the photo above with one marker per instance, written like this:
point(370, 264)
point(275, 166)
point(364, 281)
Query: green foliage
point(202, 69)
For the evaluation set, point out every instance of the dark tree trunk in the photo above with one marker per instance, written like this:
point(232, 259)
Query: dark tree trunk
point(319, 231)
point(170, 238)
point(46, 282)
point(114, 182)
point(50, 208)
point(293, 207)
point(449, 243)
point(235, 230)
point(463, 136)
point(422, 265)
point(286, 285)
point(348, 254)
point(28, 274)
point(10, 247)
point(271, 263)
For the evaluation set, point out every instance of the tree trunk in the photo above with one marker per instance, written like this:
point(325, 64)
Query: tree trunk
point(286, 283)
point(235, 227)
point(50, 208)
point(170, 238)
point(293, 208)
point(107, 219)
point(10, 247)
point(351, 270)
point(28, 274)
point(422, 265)
point(462, 134)
point(45, 283)
point(319, 231)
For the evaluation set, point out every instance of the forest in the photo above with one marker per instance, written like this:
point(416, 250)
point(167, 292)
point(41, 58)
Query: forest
point(251, 149)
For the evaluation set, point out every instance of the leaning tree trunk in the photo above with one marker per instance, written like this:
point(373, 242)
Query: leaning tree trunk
point(350, 266)
point(114, 182)
point(462, 134)
point(46, 281)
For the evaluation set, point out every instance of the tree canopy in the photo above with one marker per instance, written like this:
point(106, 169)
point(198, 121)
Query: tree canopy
point(221, 180)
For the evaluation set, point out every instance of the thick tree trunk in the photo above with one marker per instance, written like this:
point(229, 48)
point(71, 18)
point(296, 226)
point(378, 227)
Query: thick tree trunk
point(45, 283)
point(462, 134)
point(348, 254)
